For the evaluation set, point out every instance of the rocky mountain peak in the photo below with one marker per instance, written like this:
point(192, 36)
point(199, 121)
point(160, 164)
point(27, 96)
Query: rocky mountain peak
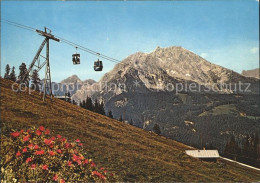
point(162, 66)
point(72, 79)
point(174, 61)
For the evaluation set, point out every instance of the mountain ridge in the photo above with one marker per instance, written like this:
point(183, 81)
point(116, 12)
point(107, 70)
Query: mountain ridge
point(171, 64)
point(251, 73)
point(144, 87)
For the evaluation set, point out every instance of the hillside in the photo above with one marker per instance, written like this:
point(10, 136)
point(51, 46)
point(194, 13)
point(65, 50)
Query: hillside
point(254, 73)
point(134, 154)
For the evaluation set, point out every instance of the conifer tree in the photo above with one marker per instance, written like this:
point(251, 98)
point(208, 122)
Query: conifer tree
point(7, 71)
point(80, 104)
point(156, 129)
point(131, 122)
point(232, 150)
point(23, 74)
point(35, 81)
point(84, 104)
point(96, 106)
point(12, 74)
point(89, 104)
point(110, 114)
point(69, 97)
point(101, 108)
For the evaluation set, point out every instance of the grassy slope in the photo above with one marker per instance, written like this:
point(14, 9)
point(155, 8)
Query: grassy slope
point(134, 154)
point(222, 109)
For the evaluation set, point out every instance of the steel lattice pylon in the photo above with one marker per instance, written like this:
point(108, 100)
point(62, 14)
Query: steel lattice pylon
point(47, 81)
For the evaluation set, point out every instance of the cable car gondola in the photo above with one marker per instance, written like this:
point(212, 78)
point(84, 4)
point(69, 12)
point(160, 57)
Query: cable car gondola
point(98, 65)
point(76, 58)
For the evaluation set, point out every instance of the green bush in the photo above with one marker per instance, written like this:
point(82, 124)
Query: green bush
point(35, 155)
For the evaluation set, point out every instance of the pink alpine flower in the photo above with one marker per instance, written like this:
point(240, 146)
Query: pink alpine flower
point(24, 150)
point(28, 160)
point(18, 154)
point(93, 164)
point(85, 161)
point(45, 167)
point(15, 134)
point(38, 132)
point(33, 166)
point(69, 163)
point(26, 138)
point(59, 151)
point(47, 132)
point(58, 136)
point(52, 153)
point(55, 177)
point(41, 128)
point(30, 146)
point(41, 152)
point(67, 145)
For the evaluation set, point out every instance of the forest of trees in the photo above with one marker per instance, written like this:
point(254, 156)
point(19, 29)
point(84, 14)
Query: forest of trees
point(245, 151)
point(10, 75)
point(95, 107)
point(35, 80)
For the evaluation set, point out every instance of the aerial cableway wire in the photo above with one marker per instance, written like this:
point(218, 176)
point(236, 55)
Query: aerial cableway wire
point(18, 25)
point(88, 50)
point(64, 41)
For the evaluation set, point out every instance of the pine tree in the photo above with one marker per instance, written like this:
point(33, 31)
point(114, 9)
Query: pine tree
point(131, 122)
point(69, 97)
point(101, 109)
point(121, 118)
point(74, 102)
point(23, 74)
point(232, 150)
point(246, 150)
point(110, 114)
point(80, 104)
point(12, 74)
point(156, 129)
point(96, 106)
point(89, 104)
point(7, 71)
point(35, 81)
point(84, 104)
point(255, 150)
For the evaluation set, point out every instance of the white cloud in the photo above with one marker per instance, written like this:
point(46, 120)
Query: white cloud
point(107, 38)
point(254, 50)
point(204, 55)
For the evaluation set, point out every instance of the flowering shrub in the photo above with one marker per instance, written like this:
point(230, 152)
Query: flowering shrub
point(35, 155)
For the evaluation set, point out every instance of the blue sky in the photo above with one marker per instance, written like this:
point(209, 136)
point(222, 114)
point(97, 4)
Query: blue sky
point(224, 32)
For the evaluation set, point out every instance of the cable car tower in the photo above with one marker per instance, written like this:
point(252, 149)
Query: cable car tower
point(36, 62)
point(47, 81)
